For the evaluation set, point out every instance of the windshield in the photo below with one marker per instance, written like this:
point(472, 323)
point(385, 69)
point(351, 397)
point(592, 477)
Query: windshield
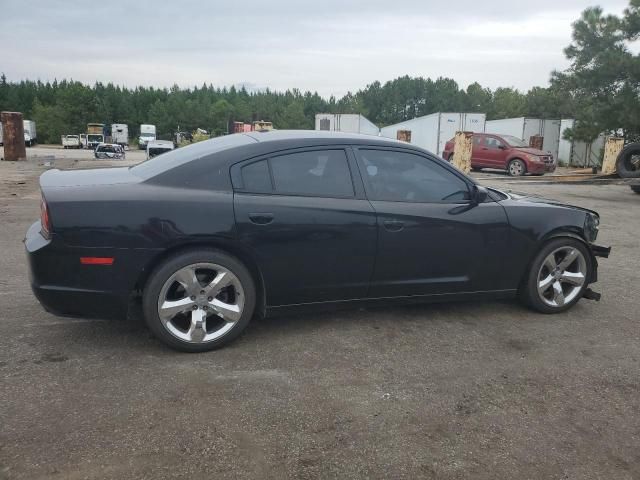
point(514, 141)
point(161, 163)
point(145, 135)
point(95, 138)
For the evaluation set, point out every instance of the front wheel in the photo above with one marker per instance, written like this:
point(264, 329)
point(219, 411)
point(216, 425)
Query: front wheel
point(558, 276)
point(516, 168)
point(199, 300)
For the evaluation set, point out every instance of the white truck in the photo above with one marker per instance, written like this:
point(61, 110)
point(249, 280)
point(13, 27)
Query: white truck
point(71, 141)
point(120, 134)
point(147, 134)
point(29, 132)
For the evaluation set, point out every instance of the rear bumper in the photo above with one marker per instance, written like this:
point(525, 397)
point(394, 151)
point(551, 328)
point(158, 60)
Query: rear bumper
point(66, 287)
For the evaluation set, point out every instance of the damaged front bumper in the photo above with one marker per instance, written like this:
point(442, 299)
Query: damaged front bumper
point(596, 251)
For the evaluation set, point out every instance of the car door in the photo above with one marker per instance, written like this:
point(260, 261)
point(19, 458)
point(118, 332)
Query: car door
point(477, 159)
point(307, 221)
point(495, 152)
point(431, 238)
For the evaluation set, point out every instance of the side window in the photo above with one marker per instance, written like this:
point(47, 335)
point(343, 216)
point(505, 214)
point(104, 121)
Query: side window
point(318, 172)
point(405, 177)
point(477, 141)
point(256, 177)
point(493, 143)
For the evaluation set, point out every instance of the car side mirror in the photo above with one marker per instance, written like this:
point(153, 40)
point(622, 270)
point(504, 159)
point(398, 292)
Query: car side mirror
point(502, 147)
point(479, 194)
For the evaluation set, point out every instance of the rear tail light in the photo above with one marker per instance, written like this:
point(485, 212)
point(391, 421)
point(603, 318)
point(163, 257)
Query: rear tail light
point(45, 219)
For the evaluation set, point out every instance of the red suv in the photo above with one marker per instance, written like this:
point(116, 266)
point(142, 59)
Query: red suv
point(506, 153)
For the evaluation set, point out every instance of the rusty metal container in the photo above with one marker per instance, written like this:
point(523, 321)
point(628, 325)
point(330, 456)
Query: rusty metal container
point(536, 141)
point(404, 135)
point(13, 136)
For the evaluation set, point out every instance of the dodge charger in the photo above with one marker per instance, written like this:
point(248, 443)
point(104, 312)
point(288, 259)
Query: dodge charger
point(208, 236)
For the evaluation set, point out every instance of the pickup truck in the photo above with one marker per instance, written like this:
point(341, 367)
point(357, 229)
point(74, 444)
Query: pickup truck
point(71, 141)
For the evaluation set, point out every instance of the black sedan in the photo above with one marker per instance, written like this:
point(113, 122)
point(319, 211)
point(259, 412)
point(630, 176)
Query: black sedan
point(209, 235)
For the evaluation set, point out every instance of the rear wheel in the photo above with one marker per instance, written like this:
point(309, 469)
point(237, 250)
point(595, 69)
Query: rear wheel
point(516, 168)
point(558, 276)
point(635, 188)
point(199, 300)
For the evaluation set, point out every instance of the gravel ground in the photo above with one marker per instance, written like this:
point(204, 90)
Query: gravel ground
point(467, 390)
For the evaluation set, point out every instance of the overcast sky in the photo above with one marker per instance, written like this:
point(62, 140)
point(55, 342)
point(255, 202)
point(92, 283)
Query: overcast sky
point(329, 46)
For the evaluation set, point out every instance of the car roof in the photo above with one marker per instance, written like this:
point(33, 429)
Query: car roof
point(321, 136)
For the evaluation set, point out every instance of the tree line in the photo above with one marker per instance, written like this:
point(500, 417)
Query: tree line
point(601, 89)
point(66, 106)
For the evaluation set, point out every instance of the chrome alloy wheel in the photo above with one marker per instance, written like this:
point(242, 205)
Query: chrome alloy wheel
point(201, 302)
point(561, 276)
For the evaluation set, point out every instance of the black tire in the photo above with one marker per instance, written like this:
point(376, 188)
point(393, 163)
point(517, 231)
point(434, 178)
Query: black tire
point(167, 268)
point(628, 161)
point(512, 171)
point(528, 290)
point(635, 188)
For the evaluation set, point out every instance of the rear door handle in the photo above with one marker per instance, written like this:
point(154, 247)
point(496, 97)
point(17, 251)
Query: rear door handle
point(393, 225)
point(261, 218)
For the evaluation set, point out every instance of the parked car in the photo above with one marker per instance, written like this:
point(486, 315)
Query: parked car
point(505, 152)
point(109, 150)
point(71, 141)
point(157, 147)
point(209, 235)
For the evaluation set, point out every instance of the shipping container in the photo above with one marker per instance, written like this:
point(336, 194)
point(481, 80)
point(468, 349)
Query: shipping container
point(524, 128)
point(346, 122)
point(576, 153)
point(432, 132)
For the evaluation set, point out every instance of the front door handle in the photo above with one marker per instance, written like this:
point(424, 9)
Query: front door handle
point(261, 218)
point(393, 225)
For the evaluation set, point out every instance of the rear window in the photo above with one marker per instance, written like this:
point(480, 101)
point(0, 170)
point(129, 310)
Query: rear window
point(256, 177)
point(180, 156)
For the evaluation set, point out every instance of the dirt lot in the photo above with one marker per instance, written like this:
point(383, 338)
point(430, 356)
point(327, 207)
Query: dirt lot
point(465, 390)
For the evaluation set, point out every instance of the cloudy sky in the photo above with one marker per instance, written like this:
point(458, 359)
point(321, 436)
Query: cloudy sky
point(329, 46)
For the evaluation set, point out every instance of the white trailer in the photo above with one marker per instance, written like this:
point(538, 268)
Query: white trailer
point(432, 132)
point(120, 134)
point(30, 136)
point(577, 153)
point(346, 122)
point(524, 128)
point(147, 134)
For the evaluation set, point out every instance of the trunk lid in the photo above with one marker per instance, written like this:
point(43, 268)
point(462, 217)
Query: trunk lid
point(83, 178)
